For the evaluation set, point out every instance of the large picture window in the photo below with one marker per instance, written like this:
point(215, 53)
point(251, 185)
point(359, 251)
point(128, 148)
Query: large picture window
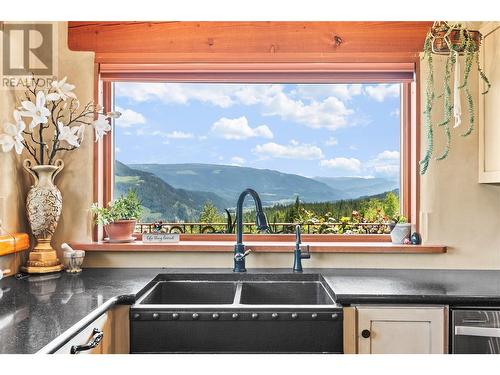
point(328, 156)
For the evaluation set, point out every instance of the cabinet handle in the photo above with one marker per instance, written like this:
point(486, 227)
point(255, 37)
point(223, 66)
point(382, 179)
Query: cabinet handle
point(365, 333)
point(95, 340)
point(477, 331)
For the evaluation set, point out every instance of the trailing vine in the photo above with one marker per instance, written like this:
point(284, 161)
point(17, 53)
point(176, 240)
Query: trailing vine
point(448, 107)
point(452, 41)
point(429, 101)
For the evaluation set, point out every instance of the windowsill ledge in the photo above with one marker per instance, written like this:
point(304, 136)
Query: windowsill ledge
point(259, 246)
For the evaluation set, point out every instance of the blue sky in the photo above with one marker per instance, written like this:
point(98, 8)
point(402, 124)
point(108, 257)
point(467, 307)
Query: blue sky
point(307, 129)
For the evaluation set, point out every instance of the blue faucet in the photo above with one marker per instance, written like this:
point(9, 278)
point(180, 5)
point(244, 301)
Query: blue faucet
point(261, 221)
point(298, 254)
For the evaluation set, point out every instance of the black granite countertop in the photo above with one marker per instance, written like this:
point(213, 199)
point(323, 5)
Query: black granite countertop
point(39, 309)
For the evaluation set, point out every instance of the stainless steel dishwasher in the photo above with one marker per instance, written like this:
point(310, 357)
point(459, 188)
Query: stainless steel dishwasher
point(475, 331)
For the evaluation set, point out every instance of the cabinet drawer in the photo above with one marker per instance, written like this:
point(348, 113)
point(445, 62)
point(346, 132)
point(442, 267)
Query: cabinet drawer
point(85, 336)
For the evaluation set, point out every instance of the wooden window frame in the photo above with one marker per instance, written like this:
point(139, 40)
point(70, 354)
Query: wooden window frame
point(406, 73)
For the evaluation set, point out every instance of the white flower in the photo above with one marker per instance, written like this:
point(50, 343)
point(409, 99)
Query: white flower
point(80, 133)
point(101, 126)
point(12, 135)
point(38, 112)
point(63, 90)
point(114, 114)
point(68, 134)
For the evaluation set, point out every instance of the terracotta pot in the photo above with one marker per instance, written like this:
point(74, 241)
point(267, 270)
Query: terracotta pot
point(439, 45)
point(120, 230)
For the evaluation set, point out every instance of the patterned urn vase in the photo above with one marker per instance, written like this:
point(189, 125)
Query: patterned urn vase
point(43, 208)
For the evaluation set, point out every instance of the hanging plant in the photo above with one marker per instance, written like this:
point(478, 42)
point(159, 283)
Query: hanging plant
point(453, 41)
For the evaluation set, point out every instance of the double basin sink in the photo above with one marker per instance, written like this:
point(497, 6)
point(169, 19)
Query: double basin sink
point(237, 313)
point(233, 290)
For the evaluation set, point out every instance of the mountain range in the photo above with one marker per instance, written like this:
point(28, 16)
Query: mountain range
point(161, 200)
point(179, 191)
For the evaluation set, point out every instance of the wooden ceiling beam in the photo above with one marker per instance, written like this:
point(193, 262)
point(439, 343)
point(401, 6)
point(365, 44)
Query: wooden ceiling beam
point(156, 42)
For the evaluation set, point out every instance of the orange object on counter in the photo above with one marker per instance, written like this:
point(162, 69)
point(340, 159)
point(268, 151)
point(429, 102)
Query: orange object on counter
point(13, 243)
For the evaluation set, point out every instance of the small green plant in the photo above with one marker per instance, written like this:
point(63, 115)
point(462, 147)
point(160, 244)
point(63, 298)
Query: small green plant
point(399, 219)
point(127, 207)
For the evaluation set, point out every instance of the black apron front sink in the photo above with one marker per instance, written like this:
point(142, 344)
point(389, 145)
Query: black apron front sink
point(237, 314)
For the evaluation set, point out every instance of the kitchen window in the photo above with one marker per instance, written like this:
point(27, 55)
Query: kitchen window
point(329, 149)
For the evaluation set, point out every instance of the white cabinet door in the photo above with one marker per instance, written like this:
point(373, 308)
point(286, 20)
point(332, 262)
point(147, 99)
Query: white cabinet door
point(402, 329)
point(489, 110)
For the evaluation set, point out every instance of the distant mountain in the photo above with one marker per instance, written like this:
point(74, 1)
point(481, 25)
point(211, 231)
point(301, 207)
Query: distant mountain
point(162, 200)
point(354, 187)
point(229, 181)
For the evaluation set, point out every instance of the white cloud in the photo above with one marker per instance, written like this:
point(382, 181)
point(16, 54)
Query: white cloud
point(117, 149)
point(316, 111)
point(347, 164)
point(332, 141)
point(177, 134)
point(238, 129)
point(236, 160)
point(382, 91)
point(330, 113)
point(129, 118)
point(316, 92)
point(385, 164)
point(393, 155)
point(292, 151)
point(394, 113)
point(177, 93)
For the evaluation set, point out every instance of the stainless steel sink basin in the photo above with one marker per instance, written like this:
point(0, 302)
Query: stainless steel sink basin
point(191, 292)
point(285, 293)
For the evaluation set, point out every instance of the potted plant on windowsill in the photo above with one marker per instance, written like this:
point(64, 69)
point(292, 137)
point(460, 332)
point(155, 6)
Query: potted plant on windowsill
point(120, 217)
point(400, 229)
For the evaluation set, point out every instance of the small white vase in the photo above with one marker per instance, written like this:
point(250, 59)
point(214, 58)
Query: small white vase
point(400, 232)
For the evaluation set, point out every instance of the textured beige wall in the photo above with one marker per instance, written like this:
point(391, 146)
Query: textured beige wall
point(456, 210)
point(75, 181)
point(12, 185)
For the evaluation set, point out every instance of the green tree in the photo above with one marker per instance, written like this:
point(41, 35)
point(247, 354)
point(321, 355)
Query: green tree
point(209, 214)
point(391, 204)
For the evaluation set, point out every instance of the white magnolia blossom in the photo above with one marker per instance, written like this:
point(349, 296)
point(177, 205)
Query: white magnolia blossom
point(69, 134)
point(114, 114)
point(38, 112)
point(101, 126)
point(80, 133)
point(12, 134)
point(63, 90)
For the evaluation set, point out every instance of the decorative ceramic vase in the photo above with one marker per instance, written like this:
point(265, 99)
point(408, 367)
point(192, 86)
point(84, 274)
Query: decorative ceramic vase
point(400, 232)
point(43, 208)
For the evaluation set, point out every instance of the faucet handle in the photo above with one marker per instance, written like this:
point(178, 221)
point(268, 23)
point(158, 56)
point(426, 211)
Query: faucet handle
point(305, 254)
point(240, 256)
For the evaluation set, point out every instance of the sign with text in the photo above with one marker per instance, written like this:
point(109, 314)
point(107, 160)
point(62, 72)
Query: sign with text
point(28, 51)
point(160, 237)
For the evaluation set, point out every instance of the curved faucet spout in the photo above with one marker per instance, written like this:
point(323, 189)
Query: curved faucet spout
point(260, 220)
